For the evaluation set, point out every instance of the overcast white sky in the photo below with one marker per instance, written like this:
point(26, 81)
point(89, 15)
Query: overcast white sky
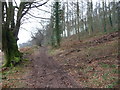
point(25, 34)
point(31, 24)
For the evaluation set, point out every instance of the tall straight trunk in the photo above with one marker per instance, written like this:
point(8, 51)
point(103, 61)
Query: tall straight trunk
point(88, 17)
point(53, 38)
point(99, 17)
point(76, 26)
point(86, 28)
point(114, 19)
point(118, 16)
point(110, 16)
point(0, 25)
point(104, 17)
point(82, 17)
point(64, 20)
point(68, 31)
point(73, 27)
point(78, 22)
point(91, 12)
point(57, 23)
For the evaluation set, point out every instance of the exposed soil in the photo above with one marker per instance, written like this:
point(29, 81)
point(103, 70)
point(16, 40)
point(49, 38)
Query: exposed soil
point(47, 73)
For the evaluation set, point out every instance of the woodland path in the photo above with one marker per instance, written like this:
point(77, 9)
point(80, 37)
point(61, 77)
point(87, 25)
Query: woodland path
point(47, 73)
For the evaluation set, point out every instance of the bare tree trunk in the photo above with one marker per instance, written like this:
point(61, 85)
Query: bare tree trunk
point(78, 21)
point(118, 16)
point(68, 31)
point(85, 21)
point(64, 20)
point(1, 25)
point(104, 16)
point(110, 16)
point(82, 19)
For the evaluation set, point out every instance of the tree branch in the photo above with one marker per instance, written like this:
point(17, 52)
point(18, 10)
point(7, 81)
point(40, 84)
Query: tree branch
point(39, 5)
point(38, 17)
point(43, 10)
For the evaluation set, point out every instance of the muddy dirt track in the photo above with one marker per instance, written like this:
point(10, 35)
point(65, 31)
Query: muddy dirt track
point(47, 73)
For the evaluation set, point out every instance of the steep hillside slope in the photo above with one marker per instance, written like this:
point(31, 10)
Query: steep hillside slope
point(93, 62)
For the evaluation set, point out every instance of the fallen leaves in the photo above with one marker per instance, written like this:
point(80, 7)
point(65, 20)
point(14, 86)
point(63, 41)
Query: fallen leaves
point(81, 59)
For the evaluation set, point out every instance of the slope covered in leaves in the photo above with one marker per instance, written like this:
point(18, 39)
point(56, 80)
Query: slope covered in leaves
point(93, 62)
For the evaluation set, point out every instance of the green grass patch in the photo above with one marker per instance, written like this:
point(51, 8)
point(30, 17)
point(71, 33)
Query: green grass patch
point(116, 71)
point(12, 70)
point(7, 72)
point(17, 68)
point(53, 51)
point(104, 65)
point(112, 85)
point(113, 66)
point(95, 74)
point(105, 75)
point(87, 69)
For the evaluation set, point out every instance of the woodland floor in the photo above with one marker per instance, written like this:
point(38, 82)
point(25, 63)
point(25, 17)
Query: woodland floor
point(91, 62)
